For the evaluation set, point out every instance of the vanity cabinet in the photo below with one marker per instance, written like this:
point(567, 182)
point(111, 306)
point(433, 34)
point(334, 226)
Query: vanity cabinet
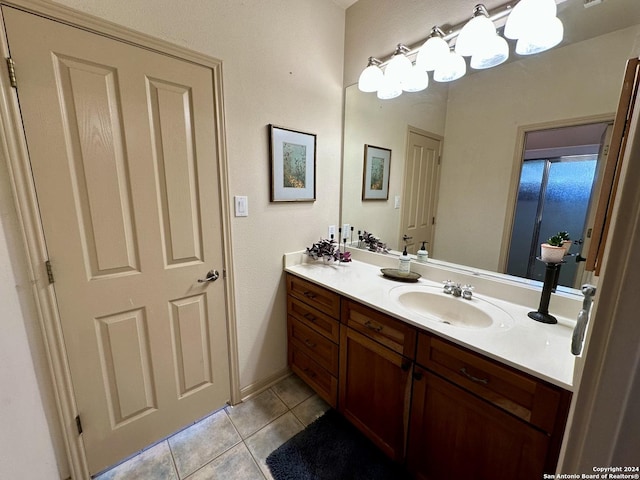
point(376, 362)
point(443, 410)
point(313, 328)
point(475, 418)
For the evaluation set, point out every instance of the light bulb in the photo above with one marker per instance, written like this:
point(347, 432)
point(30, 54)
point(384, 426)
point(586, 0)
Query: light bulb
point(452, 68)
point(370, 79)
point(389, 89)
point(398, 68)
point(526, 15)
point(546, 36)
point(492, 53)
point(432, 52)
point(474, 34)
point(417, 80)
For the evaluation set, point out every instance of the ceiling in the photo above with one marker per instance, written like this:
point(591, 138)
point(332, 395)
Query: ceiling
point(345, 3)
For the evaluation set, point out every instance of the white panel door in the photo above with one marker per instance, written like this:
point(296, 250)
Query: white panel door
point(420, 190)
point(123, 148)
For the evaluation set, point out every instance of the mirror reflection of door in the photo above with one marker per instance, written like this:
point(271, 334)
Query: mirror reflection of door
point(559, 172)
point(420, 189)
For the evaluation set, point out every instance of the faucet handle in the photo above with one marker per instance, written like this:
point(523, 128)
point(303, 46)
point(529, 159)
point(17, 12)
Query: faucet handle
point(467, 291)
point(448, 285)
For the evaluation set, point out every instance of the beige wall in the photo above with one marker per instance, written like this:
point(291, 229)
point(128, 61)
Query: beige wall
point(282, 64)
point(484, 112)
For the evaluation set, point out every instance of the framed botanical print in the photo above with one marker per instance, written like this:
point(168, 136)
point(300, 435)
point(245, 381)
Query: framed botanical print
point(293, 165)
point(375, 178)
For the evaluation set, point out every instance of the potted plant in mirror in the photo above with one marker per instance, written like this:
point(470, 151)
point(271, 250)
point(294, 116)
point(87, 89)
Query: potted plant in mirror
point(553, 250)
point(566, 241)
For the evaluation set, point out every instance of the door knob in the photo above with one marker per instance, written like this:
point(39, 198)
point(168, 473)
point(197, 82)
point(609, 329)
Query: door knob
point(212, 276)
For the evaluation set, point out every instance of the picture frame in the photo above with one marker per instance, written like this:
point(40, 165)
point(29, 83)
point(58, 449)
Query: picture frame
point(293, 165)
point(375, 177)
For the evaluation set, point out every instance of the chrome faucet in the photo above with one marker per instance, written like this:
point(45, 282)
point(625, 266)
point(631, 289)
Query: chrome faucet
point(455, 289)
point(467, 292)
point(452, 288)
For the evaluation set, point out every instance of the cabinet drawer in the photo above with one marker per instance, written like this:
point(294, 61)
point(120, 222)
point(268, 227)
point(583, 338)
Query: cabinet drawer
point(312, 318)
point(310, 371)
point(319, 348)
point(528, 398)
point(396, 335)
point(314, 295)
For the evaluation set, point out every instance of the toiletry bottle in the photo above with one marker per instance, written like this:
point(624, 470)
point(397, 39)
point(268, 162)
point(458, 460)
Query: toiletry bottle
point(422, 254)
point(404, 264)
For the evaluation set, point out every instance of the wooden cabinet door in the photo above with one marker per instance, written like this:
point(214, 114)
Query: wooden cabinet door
point(374, 388)
point(454, 434)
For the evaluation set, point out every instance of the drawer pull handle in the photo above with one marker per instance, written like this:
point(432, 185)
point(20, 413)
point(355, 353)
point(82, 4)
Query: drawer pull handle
point(372, 326)
point(310, 317)
point(310, 295)
point(463, 371)
point(309, 372)
point(309, 343)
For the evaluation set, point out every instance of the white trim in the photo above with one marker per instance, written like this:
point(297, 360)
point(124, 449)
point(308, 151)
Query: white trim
point(13, 148)
point(612, 345)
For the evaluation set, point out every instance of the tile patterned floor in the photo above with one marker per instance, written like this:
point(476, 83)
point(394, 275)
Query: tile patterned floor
point(230, 444)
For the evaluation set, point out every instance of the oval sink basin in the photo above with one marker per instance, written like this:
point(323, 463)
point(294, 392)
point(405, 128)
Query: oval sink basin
point(435, 305)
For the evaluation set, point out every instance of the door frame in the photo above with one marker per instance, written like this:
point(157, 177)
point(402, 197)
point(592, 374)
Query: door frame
point(13, 148)
point(516, 171)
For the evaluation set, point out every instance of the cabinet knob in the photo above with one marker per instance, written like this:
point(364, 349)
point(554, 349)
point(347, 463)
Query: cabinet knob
point(417, 375)
point(405, 366)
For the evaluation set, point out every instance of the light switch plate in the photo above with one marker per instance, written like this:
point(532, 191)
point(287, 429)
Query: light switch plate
point(242, 205)
point(396, 203)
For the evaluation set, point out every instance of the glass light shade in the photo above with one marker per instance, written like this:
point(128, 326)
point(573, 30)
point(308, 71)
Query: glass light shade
point(478, 30)
point(431, 53)
point(398, 68)
point(526, 14)
point(389, 89)
point(492, 53)
point(370, 79)
point(416, 81)
point(546, 36)
point(452, 68)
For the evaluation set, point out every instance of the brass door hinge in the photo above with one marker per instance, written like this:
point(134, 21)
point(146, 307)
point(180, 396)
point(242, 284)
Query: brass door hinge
point(11, 66)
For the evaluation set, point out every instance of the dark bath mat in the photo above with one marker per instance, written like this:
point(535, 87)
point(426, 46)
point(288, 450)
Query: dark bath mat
point(332, 449)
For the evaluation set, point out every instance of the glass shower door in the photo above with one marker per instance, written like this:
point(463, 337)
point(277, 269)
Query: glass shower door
point(553, 196)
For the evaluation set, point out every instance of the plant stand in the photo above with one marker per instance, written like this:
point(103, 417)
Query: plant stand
point(551, 275)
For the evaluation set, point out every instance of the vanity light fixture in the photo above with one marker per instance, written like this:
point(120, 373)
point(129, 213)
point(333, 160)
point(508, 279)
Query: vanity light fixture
point(433, 51)
point(451, 68)
point(535, 26)
point(416, 81)
point(476, 32)
point(371, 77)
point(399, 67)
point(532, 23)
point(479, 40)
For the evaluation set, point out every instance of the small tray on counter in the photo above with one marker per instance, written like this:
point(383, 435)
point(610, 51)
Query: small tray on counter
point(394, 274)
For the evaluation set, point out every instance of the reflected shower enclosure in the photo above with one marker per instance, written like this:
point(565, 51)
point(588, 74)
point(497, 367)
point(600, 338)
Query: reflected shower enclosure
point(554, 195)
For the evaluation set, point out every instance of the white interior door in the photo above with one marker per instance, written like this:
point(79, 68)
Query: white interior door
point(122, 143)
point(420, 191)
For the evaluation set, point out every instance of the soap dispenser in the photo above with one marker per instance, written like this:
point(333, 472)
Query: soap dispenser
point(422, 254)
point(404, 264)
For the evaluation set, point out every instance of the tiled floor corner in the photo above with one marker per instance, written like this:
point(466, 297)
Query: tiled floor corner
point(232, 443)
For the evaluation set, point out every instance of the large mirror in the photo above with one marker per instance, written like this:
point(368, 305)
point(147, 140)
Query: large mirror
point(479, 124)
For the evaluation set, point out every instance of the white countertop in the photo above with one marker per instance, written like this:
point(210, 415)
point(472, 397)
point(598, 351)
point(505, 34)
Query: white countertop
point(541, 350)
